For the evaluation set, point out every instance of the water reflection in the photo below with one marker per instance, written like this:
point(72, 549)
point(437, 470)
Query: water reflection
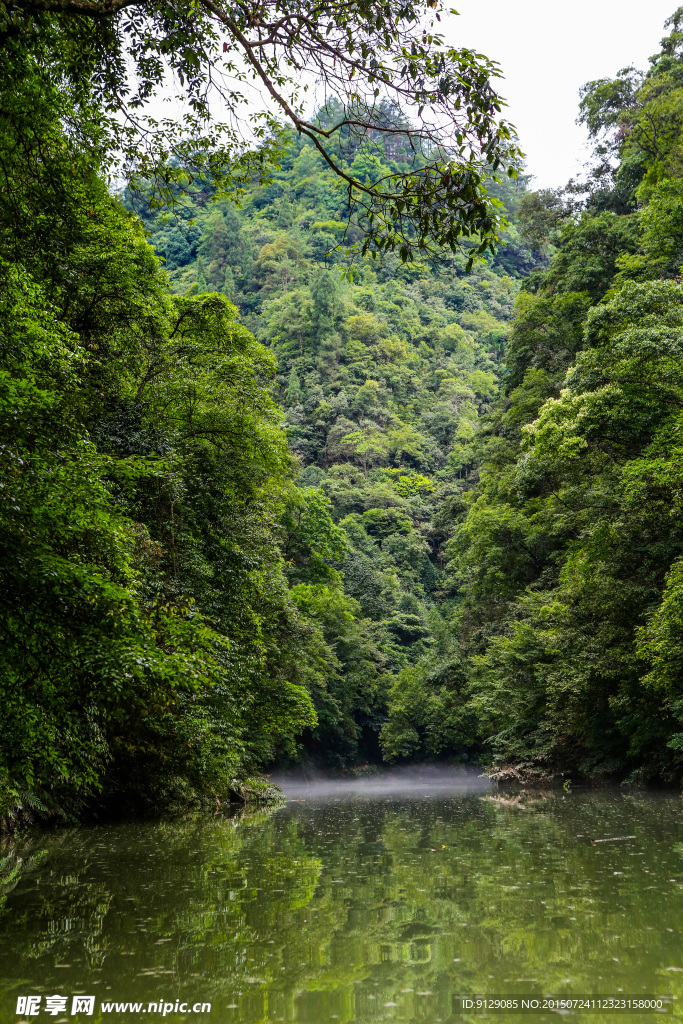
point(356, 910)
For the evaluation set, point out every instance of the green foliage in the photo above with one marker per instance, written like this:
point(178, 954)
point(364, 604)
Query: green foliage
point(375, 61)
point(144, 592)
point(175, 613)
point(258, 507)
point(565, 559)
point(311, 540)
point(383, 381)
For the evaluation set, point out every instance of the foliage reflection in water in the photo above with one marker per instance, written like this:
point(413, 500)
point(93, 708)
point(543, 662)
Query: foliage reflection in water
point(353, 909)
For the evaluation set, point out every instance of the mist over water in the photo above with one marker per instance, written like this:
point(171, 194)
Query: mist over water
point(418, 782)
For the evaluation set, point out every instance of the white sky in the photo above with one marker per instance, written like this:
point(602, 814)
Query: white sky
point(547, 51)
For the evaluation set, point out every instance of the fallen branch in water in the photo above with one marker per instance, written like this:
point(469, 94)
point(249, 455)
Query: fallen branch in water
point(614, 839)
point(518, 773)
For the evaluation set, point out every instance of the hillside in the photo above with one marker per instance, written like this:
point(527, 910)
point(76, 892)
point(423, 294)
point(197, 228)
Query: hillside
point(567, 566)
point(269, 497)
point(384, 381)
point(182, 605)
point(500, 450)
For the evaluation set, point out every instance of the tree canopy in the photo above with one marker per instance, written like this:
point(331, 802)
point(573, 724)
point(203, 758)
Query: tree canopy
point(258, 509)
point(385, 66)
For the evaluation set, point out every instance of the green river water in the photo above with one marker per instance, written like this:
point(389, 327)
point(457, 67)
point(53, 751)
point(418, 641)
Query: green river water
point(373, 904)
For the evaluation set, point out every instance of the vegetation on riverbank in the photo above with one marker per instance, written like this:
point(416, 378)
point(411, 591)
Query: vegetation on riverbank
point(256, 510)
point(567, 566)
point(162, 572)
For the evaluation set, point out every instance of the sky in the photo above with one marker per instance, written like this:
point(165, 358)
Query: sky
point(547, 51)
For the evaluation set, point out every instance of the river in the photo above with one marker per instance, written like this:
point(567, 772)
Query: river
point(384, 900)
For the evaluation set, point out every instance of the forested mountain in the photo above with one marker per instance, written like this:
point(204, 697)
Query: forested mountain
point(567, 564)
point(499, 448)
point(173, 613)
point(383, 381)
point(287, 477)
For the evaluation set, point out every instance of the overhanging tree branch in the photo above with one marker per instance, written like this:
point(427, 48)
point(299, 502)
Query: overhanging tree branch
point(386, 66)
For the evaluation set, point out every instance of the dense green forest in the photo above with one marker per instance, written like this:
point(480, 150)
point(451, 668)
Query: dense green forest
point(291, 473)
point(382, 382)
